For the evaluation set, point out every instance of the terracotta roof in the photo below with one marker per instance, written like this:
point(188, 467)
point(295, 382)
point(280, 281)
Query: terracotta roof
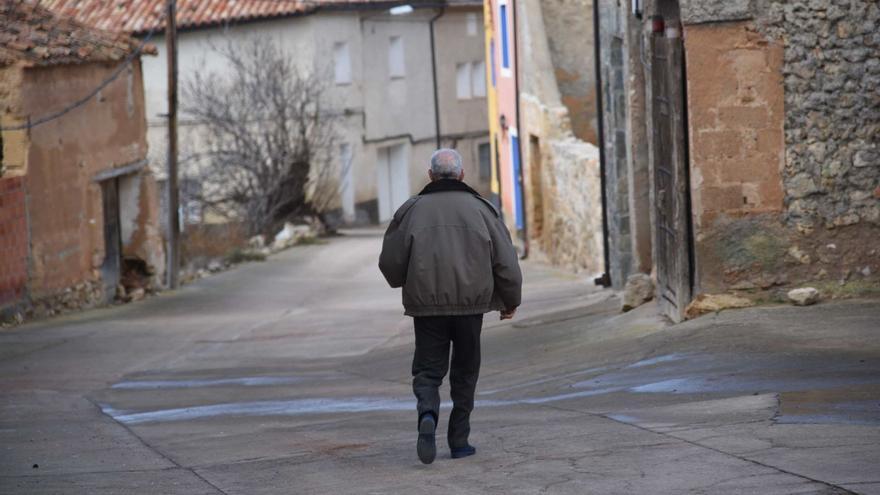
point(37, 36)
point(140, 16)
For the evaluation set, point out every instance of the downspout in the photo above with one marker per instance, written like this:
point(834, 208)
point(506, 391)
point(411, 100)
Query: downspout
point(434, 77)
point(522, 183)
point(605, 279)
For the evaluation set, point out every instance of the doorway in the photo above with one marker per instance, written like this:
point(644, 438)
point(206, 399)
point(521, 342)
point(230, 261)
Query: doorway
point(111, 269)
point(392, 180)
point(346, 188)
point(672, 211)
point(537, 186)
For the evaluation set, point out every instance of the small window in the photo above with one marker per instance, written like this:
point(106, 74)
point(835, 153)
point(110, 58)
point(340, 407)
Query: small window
point(478, 79)
point(463, 81)
point(471, 24)
point(341, 63)
point(396, 66)
point(484, 151)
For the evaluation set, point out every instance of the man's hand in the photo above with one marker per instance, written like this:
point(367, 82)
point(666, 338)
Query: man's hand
point(507, 314)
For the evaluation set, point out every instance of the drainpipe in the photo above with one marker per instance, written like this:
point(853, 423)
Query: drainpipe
point(434, 77)
point(522, 183)
point(605, 279)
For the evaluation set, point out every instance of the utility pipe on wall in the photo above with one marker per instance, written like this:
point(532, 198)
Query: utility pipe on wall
point(605, 279)
point(522, 184)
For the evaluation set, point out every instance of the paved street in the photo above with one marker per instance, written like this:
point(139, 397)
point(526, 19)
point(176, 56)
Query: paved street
point(292, 376)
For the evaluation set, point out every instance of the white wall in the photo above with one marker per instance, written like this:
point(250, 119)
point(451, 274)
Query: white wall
point(377, 108)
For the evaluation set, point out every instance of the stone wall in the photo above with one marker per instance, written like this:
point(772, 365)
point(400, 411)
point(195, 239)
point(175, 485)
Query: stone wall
point(784, 123)
point(561, 171)
point(832, 121)
point(573, 207)
point(569, 28)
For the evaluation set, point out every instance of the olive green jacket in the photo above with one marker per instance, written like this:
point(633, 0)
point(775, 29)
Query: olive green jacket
point(451, 253)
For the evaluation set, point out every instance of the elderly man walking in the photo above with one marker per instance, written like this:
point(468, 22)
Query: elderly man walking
point(452, 254)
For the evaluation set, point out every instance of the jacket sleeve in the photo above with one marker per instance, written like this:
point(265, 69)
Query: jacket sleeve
point(394, 259)
point(505, 265)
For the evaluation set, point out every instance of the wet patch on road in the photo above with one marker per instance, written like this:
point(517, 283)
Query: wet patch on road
point(810, 390)
point(247, 381)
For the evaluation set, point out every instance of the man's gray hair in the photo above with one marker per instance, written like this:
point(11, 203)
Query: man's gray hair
point(446, 164)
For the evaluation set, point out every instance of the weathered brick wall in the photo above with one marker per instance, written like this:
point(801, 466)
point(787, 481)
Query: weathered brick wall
point(13, 242)
point(65, 202)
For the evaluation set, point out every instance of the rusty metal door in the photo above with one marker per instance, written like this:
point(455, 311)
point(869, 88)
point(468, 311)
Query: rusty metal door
point(672, 234)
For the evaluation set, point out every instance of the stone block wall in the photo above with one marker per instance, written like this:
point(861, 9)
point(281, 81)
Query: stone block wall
point(832, 121)
point(573, 207)
point(735, 116)
point(561, 170)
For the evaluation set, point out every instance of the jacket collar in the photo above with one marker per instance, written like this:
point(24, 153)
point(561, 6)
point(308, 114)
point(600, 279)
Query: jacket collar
point(443, 185)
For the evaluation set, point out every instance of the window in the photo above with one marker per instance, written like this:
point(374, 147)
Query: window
point(484, 151)
point(471, 21)
point(478, 79)
point(505, 41)
point(396, 66)
point(463, 81)
point(341, 63)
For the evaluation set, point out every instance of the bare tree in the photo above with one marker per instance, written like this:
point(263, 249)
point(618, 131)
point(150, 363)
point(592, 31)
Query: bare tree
point(267, 141)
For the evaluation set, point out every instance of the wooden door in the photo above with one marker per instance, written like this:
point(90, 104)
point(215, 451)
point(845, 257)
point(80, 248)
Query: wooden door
point(672, 234)
point(112, 267)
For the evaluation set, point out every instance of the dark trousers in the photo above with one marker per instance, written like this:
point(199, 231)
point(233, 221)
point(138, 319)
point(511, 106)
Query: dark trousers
point(431, 362)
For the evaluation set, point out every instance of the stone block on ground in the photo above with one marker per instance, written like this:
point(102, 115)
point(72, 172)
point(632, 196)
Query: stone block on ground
point(803, 296)
point(290, 235)
point(639, 289)
point(711, 303)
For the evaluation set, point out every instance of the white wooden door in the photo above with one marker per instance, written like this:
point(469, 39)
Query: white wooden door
point(346, 188)
point(392, 180)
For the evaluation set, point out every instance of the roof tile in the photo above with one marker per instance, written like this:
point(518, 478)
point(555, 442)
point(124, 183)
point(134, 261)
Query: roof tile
point(36, 35)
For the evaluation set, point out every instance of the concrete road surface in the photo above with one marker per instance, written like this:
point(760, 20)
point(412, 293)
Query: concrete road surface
point(291, 376)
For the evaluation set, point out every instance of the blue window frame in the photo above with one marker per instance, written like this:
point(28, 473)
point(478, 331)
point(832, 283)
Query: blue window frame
point(505, 48)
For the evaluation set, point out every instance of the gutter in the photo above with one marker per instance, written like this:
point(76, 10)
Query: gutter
point(605, 279)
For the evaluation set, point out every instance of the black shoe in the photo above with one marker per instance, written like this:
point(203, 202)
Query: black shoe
point(426, 446)
point(467, 450)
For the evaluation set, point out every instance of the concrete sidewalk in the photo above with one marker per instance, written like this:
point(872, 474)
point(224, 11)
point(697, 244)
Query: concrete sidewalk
point(292, 376)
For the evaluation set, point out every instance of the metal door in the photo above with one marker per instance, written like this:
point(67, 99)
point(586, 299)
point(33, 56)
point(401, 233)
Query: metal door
point(672, 237)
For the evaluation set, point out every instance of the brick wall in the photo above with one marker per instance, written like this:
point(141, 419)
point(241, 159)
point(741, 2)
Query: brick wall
point(13, 242)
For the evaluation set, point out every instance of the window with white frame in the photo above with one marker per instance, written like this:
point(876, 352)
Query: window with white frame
point(505, 38)
point(396, 64)
point(341, 63)
point(478, 79)
point(463, 81)
point(471, 22)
